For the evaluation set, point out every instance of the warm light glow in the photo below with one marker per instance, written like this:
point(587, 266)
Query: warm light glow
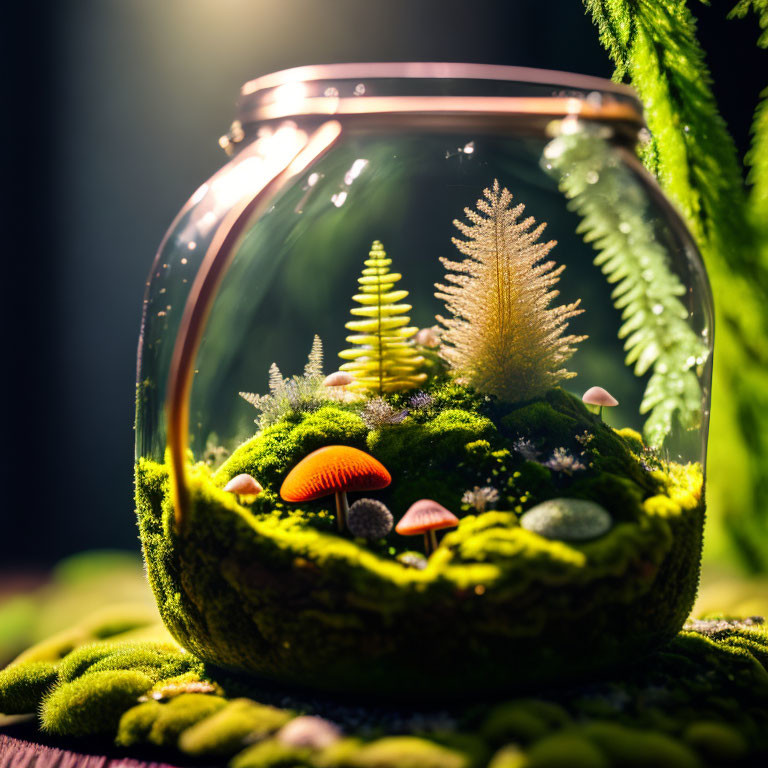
point(289, 96)
point(200, 193)
point(270, 152)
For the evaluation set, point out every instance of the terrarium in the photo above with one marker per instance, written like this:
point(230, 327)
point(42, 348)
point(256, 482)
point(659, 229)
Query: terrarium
point(423, 387)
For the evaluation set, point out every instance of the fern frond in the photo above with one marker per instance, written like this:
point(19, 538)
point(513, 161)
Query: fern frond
point(251, 397)
point(501, 335)
point(298, 394)
point(383, 359)
point(314, 366)
point(760, 8)
point(276, 380)
point(654, 45)
point(757, 159)
point(615, 220)
point(694, 157)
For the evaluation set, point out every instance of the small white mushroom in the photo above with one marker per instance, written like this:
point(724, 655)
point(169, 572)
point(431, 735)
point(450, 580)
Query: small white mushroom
point(599, 397)
point(337, 384)
point(338, 379)
point(427, 337)
point(309, 731)
point(245, 487)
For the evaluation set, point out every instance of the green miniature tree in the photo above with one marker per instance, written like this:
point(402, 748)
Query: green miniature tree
point(383, 359)
point(502, 336)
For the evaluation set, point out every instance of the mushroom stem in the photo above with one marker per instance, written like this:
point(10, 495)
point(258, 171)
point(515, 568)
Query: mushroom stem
point(600, 412)
point(430, 542)
point(341, 510)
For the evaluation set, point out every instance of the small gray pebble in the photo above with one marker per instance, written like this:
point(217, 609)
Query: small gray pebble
point(567, 519)
point(412, 560)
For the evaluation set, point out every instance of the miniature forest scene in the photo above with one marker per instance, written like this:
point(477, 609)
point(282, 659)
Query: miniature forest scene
point(442, 491)
point(422, 436)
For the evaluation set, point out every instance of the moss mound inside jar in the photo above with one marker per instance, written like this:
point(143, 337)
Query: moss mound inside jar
point(273, 590)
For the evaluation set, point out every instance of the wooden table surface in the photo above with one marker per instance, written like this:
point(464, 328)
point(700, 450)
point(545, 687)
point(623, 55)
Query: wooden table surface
point(22, 746)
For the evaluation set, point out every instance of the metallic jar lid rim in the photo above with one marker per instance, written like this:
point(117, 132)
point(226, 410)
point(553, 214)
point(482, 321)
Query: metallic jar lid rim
point(280, 94)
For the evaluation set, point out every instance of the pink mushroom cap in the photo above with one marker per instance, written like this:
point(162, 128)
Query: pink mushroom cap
point(243, 485)
point(599, 396)
point(338, 379)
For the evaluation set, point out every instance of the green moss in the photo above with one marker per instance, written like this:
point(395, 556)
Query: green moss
point(632, 747)
point(225, 732)
point(22, 686)
point(405, 752)
point(565, 750)
point(431, 459)
point(508, 757)
point(181, 713)
point(716, 742)
point(274, 591)
point(136, 723)
point(523, 721)
point(272, 754)
point(700, 699)
point(92, 704)
point(157, 661)
point(276, 450)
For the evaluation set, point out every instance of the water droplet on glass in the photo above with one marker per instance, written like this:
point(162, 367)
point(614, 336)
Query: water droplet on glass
point(339, 199)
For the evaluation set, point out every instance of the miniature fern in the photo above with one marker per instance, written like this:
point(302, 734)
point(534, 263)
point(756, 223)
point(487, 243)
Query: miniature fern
point(297, 393)
point(501, 335)
point(614, 218)
point(383, 359)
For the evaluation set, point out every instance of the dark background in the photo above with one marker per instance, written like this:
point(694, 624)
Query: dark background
point(112, 111)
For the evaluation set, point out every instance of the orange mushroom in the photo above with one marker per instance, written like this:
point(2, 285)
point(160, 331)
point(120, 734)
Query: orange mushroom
point(336, 469)
point(426, 516)
point(245, 487)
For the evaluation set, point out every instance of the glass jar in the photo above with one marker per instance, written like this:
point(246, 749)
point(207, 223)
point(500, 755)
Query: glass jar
point(392, 432)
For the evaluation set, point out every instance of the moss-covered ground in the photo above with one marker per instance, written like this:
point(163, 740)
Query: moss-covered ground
point(273, 590)
point(702, 700)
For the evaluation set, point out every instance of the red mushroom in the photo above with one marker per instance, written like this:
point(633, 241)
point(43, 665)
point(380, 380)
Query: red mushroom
point(336, 469)
point(245, 487)
point(426, 516)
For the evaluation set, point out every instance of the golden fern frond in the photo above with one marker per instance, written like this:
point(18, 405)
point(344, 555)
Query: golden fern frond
point(382, 360)
point(501, 335)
